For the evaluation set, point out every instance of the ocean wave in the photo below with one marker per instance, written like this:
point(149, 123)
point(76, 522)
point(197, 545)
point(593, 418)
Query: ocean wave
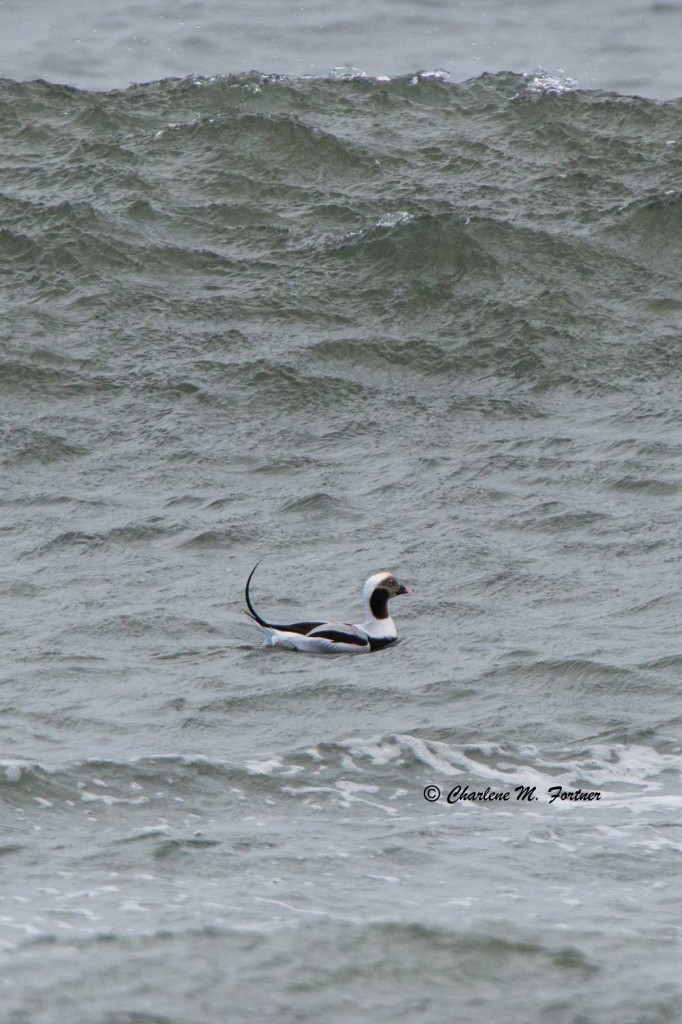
point(350, 769)
point(464, 221)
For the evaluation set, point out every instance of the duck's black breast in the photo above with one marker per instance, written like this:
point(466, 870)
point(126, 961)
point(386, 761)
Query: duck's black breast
point(378, 643)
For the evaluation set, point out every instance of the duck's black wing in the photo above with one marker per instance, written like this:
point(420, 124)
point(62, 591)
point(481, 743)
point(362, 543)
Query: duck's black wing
point(341, 633)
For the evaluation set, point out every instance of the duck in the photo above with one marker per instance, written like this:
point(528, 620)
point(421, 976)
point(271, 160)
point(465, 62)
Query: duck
point(330, 637)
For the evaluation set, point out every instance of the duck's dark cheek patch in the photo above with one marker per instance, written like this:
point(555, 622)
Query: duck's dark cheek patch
point(378, 602)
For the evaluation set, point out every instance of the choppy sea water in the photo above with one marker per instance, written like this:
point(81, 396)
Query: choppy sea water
point(343, 324)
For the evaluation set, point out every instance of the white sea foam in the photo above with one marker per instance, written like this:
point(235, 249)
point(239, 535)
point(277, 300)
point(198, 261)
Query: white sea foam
point(635, 766)
point(346, 73)
point(267, 767)
point(439, 75)
point(541, 83)
point(389, 220)
point(110, 801)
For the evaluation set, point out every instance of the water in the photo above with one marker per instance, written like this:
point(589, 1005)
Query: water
point(628, 47)
point(344, 324)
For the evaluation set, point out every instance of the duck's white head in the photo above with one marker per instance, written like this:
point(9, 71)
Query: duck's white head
point(378, 591)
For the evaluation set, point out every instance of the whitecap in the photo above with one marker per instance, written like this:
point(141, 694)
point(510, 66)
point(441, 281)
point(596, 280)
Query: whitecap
point(389, 220)
point(439, 75)
point(541, 83)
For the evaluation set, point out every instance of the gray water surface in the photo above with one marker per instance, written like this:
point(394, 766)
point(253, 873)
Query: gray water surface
point(630, 47)
point(343, 325)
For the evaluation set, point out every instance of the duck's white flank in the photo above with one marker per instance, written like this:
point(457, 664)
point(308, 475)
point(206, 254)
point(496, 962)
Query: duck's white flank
point(327, 637)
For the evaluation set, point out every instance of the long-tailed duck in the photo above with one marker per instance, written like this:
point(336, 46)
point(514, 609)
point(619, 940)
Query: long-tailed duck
point(377, 631)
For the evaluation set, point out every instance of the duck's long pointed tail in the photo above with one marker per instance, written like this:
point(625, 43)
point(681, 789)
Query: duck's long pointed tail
point(247, 597)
